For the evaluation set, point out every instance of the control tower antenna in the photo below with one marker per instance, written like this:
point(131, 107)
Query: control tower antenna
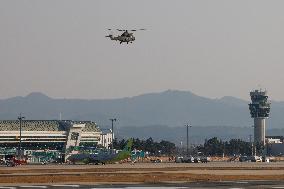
point(259, 110)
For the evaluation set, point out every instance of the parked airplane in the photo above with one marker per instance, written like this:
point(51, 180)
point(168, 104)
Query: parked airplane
point(102, 156)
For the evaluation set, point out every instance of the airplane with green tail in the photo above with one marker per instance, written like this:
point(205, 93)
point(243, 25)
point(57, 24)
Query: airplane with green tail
point(102, 156)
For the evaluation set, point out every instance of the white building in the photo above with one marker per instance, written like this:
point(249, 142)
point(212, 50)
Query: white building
point(106, 139)
point(48, 134)
point(273, 140)
point(275, 145)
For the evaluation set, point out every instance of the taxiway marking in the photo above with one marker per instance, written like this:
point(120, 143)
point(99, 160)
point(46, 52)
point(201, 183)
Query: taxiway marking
point(62, 185)
point(33, 186)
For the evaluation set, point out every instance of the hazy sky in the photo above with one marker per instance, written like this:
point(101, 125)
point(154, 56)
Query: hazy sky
point(212, 48)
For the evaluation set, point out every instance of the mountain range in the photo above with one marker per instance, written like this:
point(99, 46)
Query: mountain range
point(170, 109)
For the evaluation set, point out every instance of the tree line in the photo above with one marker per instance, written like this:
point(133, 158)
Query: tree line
point(217, 147)
point(149, 145)
point(211, 147)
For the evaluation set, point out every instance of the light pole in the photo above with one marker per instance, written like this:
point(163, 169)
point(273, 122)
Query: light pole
point(187, 126)
point(20, 118)
point(181, 151)
point(251, 145)
point(112, 120)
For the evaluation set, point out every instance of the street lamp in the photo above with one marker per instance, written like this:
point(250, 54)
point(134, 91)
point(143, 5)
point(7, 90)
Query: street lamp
point(112, 120)
point(187, 126)
point(181, 151)
point(20, 118)
point(251, 144)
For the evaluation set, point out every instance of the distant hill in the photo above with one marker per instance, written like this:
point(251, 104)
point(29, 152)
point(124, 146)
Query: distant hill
point(197, 134)
point(170, 108)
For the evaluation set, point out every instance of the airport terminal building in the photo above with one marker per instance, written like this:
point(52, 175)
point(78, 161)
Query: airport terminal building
point(48, 134)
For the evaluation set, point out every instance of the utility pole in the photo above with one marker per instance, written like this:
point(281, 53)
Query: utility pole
point(20, 118)
point(251, 145)
point(187, 126)
point(112, 137)
point(181, 150)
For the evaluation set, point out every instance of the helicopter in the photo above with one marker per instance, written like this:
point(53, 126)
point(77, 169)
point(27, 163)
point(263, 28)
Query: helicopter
point(125, 37)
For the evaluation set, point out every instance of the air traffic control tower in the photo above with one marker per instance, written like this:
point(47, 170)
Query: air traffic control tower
point(259, 110)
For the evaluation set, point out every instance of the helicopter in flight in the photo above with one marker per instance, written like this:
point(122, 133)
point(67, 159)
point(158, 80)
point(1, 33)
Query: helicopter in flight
point(125, 37)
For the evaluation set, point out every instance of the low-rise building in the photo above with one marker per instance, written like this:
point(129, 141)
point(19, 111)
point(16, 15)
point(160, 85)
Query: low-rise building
point(275, 145)
point(106, 139)
point(48, 134)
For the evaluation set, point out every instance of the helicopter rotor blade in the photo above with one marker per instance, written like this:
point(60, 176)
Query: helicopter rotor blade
point(130, 30)
point(138, 29)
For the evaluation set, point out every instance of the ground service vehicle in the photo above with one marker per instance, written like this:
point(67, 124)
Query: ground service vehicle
point(204, 159)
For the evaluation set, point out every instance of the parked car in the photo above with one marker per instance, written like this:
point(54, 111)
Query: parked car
point(204, 159)
point(189, 159)
point(196, 160)
point(179, 159)
point(244, 159)
point(256, 159)
point(156, 160)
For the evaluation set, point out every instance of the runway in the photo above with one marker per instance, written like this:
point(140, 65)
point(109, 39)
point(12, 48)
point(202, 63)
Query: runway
point(147, 173)
point(193, 185)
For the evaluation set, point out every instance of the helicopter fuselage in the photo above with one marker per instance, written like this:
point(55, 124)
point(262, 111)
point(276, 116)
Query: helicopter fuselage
point(126, 37)
point(122, 39)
